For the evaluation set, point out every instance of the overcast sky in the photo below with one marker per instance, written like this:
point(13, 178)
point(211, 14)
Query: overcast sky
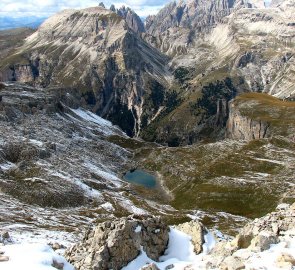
point(45, 8)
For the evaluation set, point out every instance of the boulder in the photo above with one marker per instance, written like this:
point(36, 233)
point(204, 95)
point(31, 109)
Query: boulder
point(285, 260)
point(4, 237)
point(232, 263)
point(197, 231)
point(4, 258)
point(151, 266)
point(57, 265)
point(113, 244)
point(263, 241)
point(242, 240)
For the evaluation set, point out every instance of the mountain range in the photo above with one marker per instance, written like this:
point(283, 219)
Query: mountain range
point(7, 22)
point(188, 60)
point(200, 97)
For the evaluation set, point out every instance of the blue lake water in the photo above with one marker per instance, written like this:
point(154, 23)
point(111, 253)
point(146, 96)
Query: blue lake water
point(141, 178)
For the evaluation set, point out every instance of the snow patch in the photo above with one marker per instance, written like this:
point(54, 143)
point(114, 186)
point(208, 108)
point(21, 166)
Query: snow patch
point(88, 190)
point(91, 117)
point(179, 253)
point(105, 175)
point(36, 142)
point(32, 256)
point(7, 166)
point(108, 207)
point(138, 229)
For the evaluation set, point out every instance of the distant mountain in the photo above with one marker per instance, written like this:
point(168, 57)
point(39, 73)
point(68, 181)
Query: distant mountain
point(9, 22)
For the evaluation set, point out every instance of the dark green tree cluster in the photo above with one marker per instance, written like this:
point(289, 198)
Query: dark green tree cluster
point(123, 117)
point(212, 92)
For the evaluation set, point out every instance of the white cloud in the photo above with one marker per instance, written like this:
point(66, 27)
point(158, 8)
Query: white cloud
point(44, 8)
point(41, 8)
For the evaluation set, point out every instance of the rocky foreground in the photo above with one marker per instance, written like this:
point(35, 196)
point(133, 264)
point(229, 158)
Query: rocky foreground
point(141, 242)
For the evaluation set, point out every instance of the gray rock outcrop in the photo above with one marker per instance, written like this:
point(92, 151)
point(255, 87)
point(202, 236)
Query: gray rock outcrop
point(255, 237)
point(196, 230)
point(113, 244)
point(240, 127)
point(132, 19)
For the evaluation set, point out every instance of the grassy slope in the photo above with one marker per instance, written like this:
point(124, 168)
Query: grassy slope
point(235, 177)
point(242, 178)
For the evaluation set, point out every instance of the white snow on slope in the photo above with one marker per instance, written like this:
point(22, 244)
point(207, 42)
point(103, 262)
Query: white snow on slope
point(88, 190)
point(103, 174)
point(268, 258)
point(32, 257)
point(106, 126)
point(180, 253)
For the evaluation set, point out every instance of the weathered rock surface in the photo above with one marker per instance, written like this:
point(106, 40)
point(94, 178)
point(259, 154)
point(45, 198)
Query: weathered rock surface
point(113, 244)
point(151, 266)
point(132, 19)
point(196, 230)
point(118, 65)
point(241, 127)
point(257, 116)
point(256, 237)
point(232, 263)
point(285, 261)
point(4, 258)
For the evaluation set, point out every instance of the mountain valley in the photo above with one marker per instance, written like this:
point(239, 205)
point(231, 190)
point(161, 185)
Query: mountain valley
point(201, 97)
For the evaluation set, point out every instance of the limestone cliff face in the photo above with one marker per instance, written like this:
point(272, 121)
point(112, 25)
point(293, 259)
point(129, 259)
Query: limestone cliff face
point(241, 127)
point(249, 40)
point(174, 28)
point(97, 51)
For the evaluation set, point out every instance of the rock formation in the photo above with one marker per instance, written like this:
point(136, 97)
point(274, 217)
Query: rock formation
point(113, 244)
point(256, 237)
point(257, 116)
point(148, 78)
point(241, 127)
point(132, 19)
point(197, 231)
point(117, 63)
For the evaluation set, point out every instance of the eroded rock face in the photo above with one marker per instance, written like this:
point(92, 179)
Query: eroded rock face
point(113, 244)
point(240, 127)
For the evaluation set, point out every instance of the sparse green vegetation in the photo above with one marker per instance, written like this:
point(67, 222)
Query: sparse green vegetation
point(218, 177)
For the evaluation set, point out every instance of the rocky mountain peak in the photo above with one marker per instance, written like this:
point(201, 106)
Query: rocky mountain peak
point(191, 14)
point(101, 4)
point(132, 19)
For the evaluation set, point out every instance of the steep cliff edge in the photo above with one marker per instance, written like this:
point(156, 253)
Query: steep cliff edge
point(258, 116)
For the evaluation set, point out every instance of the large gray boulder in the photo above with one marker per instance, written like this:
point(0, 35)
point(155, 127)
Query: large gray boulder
point(113, 244)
